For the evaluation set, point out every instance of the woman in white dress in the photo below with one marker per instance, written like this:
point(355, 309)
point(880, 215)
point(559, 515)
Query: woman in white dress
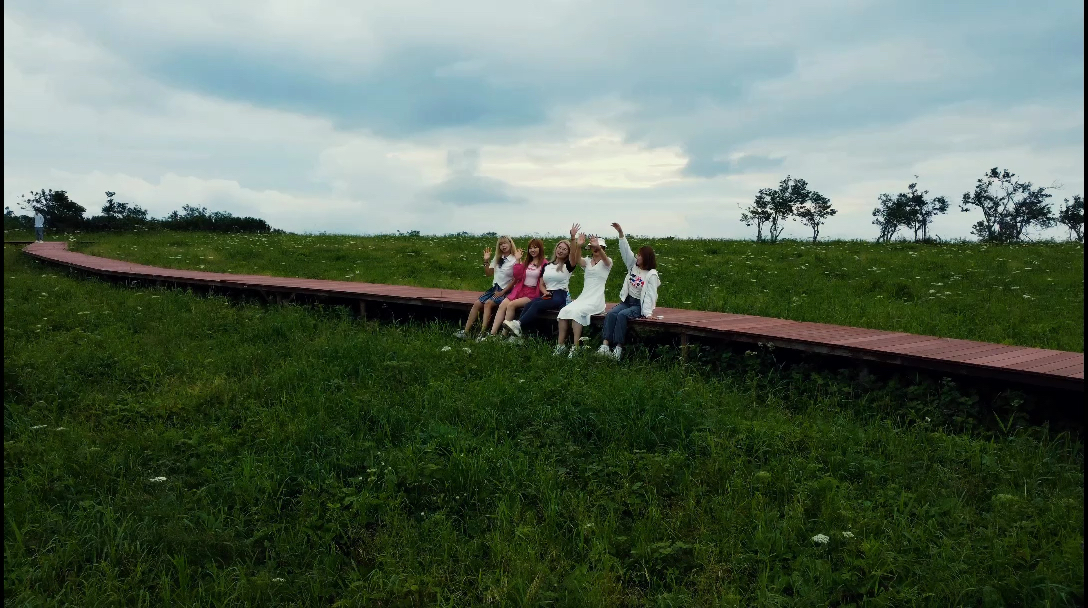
point(591, 300)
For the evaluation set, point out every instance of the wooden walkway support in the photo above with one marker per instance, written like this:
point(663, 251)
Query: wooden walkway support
point(1016, 364)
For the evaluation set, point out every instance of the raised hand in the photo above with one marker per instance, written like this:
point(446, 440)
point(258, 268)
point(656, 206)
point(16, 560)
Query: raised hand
point(593, 241)
point(518, 254)
point(581, 240)
point(487, 253)
point(618, 228)
point(574, 229)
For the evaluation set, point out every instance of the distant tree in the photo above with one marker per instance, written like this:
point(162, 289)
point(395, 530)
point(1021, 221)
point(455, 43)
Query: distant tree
point(1072, 216)
point(61, 212)
point(198, 218)
point(922, 210)
point(758, 213)
point(1009, 207)
point(814, 213)
point(773, 206)
point(891, 213)
point(117, 215)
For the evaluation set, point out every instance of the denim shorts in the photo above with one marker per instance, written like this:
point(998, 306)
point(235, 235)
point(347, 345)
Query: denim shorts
point(490, 295)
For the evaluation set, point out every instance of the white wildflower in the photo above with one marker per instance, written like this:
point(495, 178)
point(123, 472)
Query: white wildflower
point(277, 580)
point(157, 479)
point(467, 350)
point(38, 426)
point(446, 349)
point(848, 535)
point(822, 539)
point(61, 428)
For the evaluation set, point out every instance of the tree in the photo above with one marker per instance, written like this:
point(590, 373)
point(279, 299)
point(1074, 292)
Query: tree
point(61, 212)
point(116, 214)
point(1009, 207)
point(758, 213)
point(921, 211)
point(1072, 216)
point(814, 213)
point(773, 206)
point(891, 213)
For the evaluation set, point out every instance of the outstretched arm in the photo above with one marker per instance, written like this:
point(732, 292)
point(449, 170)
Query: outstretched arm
point(576, 249)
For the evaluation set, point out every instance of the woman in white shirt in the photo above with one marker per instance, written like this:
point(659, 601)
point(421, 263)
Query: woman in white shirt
point(501, 267)
point(591, 301)
point(554, 293)
point(637, 298)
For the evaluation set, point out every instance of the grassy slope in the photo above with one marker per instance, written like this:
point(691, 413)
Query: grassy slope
point(1030, 295)
point(310, 458)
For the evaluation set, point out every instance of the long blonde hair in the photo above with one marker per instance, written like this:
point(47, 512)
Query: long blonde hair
point(498, 249)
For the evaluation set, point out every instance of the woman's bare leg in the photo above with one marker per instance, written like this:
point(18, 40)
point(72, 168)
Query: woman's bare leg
point(489, 308)
point(577, 332)
point(563, 325)
point(472, 314)
point(500, 316)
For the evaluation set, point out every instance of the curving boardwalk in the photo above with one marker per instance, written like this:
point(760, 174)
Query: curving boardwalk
point(1018, 364)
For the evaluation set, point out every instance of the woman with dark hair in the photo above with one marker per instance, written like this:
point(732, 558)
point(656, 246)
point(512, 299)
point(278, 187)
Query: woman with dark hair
point(637, 298)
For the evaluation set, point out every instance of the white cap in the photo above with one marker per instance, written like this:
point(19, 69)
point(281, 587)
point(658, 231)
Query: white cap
point(600, 241)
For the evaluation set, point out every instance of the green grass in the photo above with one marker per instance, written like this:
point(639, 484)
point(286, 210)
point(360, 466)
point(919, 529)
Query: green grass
point(1028, 295)
point(311, 459)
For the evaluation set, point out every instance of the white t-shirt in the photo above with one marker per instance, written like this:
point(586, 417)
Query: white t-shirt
point(39, 221)
point(556, 277)
point(504, 275)
point(636, 280)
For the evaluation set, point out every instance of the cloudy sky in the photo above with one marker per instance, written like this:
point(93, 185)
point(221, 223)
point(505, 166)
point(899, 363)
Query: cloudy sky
point(522, 117)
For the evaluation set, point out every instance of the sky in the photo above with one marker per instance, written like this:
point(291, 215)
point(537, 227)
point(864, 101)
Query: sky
point(523, 117)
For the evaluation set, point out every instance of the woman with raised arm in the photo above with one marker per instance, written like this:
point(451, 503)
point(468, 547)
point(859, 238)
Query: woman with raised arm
point(638, 297)
point(554, 294)
point(591, 300)
point(501, 267)
point(527, 284)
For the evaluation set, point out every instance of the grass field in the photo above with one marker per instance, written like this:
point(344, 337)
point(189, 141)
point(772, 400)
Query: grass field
point(1028, 295)
point(168, 449)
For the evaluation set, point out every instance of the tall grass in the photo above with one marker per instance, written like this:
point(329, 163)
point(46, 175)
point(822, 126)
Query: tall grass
point(312, 459)
point(1028, 295)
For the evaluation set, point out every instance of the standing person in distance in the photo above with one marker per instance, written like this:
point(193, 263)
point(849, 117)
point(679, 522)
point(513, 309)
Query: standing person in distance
point(527, 284)
point(39, 225)
point(591, 301)
point(501, 267)
point(638, 297)
point(554, 294)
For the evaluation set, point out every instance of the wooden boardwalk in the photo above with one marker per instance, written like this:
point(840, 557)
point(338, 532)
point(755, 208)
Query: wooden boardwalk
point(1016, 364)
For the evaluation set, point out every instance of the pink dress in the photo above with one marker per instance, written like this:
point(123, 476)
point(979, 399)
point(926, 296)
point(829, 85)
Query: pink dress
point(526, 281)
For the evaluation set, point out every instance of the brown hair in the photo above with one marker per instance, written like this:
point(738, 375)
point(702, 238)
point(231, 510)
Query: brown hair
point(649, 260)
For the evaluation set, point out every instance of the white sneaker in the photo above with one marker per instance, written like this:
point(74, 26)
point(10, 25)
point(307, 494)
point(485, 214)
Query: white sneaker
point(616, 352)
point(482, 337)
point(459, 334)
point(513, 326)
point(573, 350)
point(559, 350)
point(603, 351)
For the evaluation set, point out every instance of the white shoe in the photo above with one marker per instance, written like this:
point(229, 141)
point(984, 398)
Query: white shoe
point(616, 352)
point(559, 350)
point(573, 350)
point(482, 337)
point(513, 326)
point(603, 351)
point(514, 340)
point(459, 334)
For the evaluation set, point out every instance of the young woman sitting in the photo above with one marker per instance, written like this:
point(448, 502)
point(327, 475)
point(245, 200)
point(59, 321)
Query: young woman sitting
point(638, 297)
point(591, 300)
point(501, 267)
